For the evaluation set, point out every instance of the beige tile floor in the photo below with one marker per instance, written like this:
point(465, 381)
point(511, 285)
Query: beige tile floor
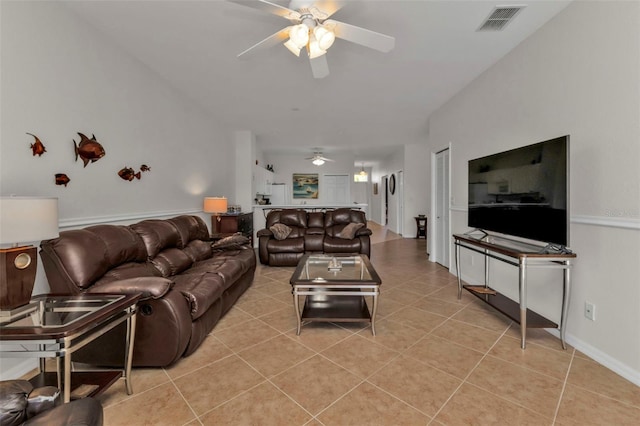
point(436, 360)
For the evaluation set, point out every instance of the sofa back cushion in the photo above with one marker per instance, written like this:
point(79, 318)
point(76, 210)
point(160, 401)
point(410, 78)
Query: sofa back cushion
point(343, 217)
point(85, 255)
point(315, 220)
point(157, 235)
point(293, 218)
point(190, 228)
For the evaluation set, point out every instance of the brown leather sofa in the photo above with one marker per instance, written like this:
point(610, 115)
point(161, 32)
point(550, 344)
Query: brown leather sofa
point(311, 232)
point(187, 286)
point(21, 404)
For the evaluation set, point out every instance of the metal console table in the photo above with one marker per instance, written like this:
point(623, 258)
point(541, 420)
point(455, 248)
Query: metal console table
point(57, 325)
point(523, 256)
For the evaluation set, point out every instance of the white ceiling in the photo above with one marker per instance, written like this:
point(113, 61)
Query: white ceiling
point(370, 103)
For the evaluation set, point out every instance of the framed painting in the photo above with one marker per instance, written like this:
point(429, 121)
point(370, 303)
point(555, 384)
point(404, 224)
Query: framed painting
point(305, 185)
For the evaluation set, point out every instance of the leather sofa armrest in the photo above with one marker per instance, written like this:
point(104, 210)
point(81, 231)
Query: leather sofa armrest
point(150, 287)
point(264, 233)
point(363, 231)
point(85, 411)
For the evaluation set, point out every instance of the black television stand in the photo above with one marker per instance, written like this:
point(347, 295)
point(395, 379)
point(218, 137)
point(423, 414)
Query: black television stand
point(523, 256)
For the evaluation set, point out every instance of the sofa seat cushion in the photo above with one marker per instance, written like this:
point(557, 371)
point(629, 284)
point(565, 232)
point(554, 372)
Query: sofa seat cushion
point(128, 270)
point(200, 290)
point(340, 245)
point(290, 245)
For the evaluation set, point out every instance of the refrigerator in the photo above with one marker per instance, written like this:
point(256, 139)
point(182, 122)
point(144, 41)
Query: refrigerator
point(279, 194)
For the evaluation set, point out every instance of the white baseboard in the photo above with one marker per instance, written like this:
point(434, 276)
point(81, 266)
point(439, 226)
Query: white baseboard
point(600, 357)
point(18, 369)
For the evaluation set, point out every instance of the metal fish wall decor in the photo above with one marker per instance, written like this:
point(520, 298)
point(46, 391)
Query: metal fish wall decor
point(145, 168)
point(37, 147)
point(62, 179)
point(127, 173)
point(89, 150)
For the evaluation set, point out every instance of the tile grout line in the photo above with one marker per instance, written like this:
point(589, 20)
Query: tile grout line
point(464, 380)
point(564, 386)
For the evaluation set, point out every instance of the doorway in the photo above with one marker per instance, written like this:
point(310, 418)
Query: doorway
point(385, 200)
point(441, 195)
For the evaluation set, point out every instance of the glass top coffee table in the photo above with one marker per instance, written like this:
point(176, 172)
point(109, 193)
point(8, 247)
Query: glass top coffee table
point(334, 289)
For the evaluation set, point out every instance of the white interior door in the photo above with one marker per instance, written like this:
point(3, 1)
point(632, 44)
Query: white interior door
point(442, 238)
point(336, 189)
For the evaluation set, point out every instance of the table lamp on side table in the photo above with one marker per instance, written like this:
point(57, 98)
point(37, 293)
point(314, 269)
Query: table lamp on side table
point(22, 220)
point(215, 205)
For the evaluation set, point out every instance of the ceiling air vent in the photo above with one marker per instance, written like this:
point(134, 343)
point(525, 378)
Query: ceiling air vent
point(500, 17)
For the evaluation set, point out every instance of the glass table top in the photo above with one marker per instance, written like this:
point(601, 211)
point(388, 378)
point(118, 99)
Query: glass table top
point(49, 311)
point(324, 268)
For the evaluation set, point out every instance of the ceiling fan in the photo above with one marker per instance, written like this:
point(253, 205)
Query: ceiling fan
point(312, 30)
point(318, 159)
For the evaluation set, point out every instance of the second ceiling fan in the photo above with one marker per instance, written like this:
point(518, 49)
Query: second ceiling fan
point(313, 31)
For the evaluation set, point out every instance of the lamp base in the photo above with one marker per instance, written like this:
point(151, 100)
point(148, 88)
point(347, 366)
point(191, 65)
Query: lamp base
point(17, 276)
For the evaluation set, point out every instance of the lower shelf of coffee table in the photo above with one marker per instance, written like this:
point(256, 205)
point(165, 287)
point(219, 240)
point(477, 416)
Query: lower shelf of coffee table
point(335, 308)
point(102, 379)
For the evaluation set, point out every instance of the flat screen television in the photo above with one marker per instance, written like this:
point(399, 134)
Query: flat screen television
point(523, 192)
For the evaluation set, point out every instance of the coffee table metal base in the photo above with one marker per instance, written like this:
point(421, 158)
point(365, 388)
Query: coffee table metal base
point(344, 304)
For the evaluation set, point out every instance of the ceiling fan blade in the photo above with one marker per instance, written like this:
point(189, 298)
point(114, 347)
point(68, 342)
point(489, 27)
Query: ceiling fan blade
point(269, 7)
point(362, 36)
point(319, 66)
point(270, 41)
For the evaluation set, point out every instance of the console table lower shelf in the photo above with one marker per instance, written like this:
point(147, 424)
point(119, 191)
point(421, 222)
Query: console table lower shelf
point(511, 309)
point(524, 256)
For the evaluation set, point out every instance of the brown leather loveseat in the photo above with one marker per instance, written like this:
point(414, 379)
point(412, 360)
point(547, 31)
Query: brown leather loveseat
point(335, 231)
point(187, 285)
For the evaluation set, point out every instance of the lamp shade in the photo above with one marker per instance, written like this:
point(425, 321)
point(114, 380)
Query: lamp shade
point(28, 219)
point(314, 49)
point(324, 36)
point(215, 205)
point(293, 48)
point(299, 35)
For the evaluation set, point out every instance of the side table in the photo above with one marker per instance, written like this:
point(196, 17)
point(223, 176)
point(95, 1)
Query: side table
point(58, 325)
point(421, 224)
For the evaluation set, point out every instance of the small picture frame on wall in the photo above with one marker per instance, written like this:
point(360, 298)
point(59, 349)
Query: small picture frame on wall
point(305, 185)
point(375, 188)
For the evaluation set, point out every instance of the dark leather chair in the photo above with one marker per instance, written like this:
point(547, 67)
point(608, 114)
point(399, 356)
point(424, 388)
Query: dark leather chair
point(21, 404)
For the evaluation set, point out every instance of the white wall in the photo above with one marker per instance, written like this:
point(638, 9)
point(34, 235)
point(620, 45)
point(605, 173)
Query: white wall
point(577, 75)
point(285, 165)
point(60, 77)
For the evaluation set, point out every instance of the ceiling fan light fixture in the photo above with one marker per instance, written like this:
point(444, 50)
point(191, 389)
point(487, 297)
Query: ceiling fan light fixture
point(314, 49)
point(299, 35)
point(289, 44)
point(317, 161)
point(324, 36)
